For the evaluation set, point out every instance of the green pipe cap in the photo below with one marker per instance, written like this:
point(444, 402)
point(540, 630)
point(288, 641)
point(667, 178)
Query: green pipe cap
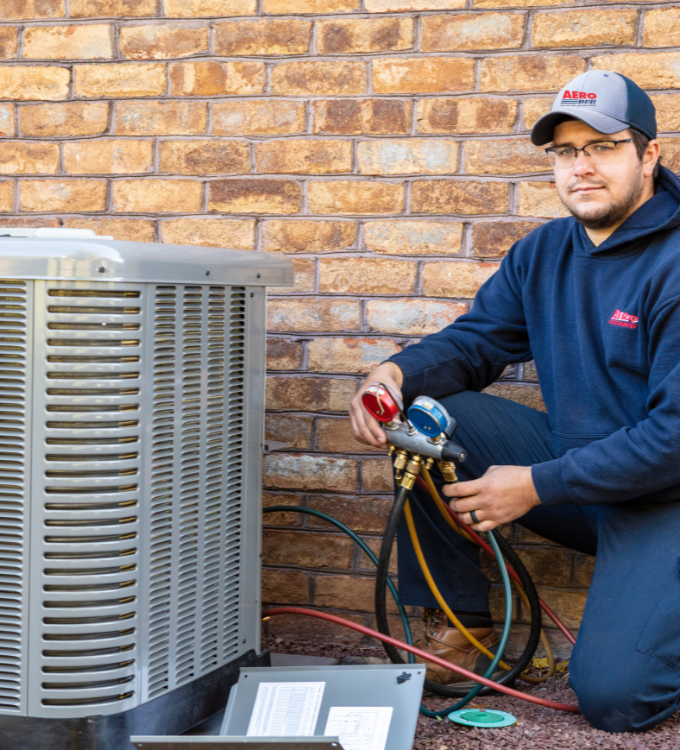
point(478, 717)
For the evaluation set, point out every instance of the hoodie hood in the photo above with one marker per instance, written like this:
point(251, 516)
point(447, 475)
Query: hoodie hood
point(660, 212)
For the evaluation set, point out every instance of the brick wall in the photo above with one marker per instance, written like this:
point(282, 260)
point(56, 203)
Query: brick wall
point(382, 144)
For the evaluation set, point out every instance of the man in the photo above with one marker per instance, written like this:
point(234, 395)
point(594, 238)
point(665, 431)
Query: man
point(594, 299)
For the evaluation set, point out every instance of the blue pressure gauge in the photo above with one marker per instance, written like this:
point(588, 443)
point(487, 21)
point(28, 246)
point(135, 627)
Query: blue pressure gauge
point(429, 417)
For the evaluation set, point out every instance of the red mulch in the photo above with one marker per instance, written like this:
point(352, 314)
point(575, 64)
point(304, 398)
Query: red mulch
point(537, 728)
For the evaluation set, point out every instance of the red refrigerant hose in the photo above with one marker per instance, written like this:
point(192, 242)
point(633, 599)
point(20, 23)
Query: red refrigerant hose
point(487, 548)
point(421, 654)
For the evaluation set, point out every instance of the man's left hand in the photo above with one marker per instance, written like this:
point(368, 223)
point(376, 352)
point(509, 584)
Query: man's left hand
point(502, 494)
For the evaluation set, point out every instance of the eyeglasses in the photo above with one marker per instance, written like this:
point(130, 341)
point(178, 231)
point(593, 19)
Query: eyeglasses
point(597, 153)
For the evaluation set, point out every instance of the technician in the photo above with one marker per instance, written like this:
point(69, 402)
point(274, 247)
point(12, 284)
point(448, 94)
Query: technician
point(594, 299)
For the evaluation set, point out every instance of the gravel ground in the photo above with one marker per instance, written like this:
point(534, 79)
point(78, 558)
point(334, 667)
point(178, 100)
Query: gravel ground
point(537, 728)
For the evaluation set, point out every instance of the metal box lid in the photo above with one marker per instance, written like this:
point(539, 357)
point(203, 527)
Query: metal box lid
point(79, 254)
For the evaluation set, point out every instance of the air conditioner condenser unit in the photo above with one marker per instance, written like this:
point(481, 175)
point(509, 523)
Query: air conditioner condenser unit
point(131, 432)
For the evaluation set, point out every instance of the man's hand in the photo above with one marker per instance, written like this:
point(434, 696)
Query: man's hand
point(366, 428)
point(502, 494)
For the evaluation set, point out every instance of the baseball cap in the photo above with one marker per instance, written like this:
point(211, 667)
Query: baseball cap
point(606, 101)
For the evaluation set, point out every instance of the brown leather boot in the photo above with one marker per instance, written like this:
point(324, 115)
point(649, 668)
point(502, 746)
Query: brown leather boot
point(449, 644)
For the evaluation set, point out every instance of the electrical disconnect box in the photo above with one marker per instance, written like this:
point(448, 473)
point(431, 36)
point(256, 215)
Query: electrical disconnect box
point(131, 430)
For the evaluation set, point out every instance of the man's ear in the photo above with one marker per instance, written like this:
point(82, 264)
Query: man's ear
point(650, 157)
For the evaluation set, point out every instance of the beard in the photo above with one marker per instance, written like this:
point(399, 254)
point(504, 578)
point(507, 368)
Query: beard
point(609, 215)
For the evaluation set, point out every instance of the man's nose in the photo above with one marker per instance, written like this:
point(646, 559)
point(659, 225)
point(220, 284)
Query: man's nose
point(582, 165)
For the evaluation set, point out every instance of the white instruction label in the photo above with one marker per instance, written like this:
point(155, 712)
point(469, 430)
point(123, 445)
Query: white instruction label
point(286, 709)
point(359, 728)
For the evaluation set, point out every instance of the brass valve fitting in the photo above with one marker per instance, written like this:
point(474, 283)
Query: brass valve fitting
point(448, 470)
point(412, 470)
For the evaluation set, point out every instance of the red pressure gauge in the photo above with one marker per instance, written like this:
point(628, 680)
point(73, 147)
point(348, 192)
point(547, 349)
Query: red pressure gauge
point(380, 403)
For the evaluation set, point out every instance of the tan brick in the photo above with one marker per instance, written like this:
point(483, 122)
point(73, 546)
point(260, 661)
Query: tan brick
point(206, 8)
point(472, 32)
point(348, 592)
point(529, 72)
point(282, 518)
point(132, 230)
point(547, 567)
point(309, 472)
point(361, 514)
point(258, 117)
point(283, 354)
point(367, 275)
point(230, 233)
point(31, 10)
point(307, 550)
point(411, 317)
point(540, 199)
point(408, 156)
point(529, 395)
point(314, 630)
point(116, 80)
point(28, 158)
point(667, 111)
point(30, 222)
point(466, 115)
point(161, 118)
point(108, 157)
point(455, 279)
point(112, 8)
point(317, 315)
point(518, 3)
point(293, 430)
point(81, 42)
point(35, 82)
point(530, 372)
point(653, 70)
point(534, 109)
point(362, 116)
point(349, 354)
point(317, 394)
point(391, 6)
point(303, 268)
point(203, 157)
point(376, 475)
point(670, 149)
point(662, 28)
point(9, 38)
point(6, 196)
point(584, 567)
point(7, 127)
point(356, 35)
point(304, 236)
point(69, 196)
point(281, 7)
point(255, 196)
point(459, 197)
point(210, 78)
point(67, 119)
point(584, 28)
point(163, 41)
point(354, 197)
point(413, 237)
point(293, 156)
point(422, 75)
point(156, 196)
point(319, 78)
point(507, 156)
point(334, 435)
point(568, 605)
point(493, 239)
point(263, 37)
point(285, 587)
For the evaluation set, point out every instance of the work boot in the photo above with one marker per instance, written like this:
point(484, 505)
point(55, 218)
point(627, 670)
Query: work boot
point(452, 646)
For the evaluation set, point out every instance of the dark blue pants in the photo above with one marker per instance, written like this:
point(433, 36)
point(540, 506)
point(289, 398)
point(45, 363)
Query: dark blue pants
point(625, 668)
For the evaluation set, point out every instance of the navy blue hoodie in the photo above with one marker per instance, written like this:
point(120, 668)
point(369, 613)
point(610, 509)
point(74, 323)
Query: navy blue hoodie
point(603, 326)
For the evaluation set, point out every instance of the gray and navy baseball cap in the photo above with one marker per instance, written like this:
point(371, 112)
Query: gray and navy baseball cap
point(606, 101)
